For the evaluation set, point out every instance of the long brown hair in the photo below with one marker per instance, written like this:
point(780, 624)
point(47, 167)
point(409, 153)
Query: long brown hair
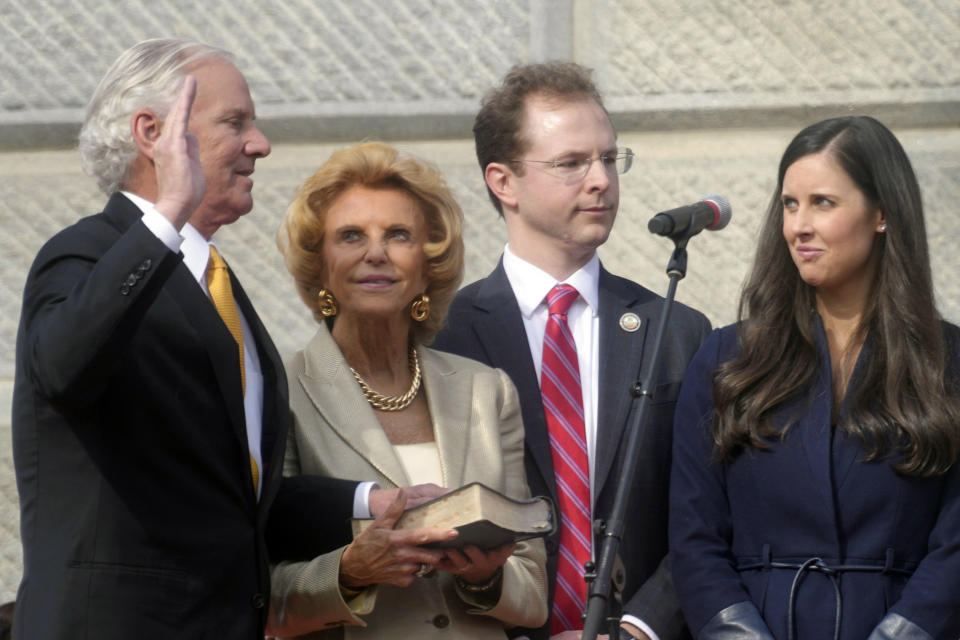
point(905, 402)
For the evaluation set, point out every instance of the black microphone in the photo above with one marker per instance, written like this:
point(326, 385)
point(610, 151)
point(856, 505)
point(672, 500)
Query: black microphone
point(711, 213)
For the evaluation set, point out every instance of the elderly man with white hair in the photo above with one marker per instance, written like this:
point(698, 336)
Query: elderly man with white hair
point(150, 405)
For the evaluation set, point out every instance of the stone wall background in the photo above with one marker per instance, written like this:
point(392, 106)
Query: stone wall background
point(706, 92)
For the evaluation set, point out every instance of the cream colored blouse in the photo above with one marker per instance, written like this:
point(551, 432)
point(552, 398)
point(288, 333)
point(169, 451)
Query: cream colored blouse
point(421, 461)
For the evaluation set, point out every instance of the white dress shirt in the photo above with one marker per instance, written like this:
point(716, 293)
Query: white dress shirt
point(530, 286)
point(196, 254)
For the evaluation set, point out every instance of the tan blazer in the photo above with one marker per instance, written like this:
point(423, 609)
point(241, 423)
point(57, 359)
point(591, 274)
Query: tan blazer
point(479, 435)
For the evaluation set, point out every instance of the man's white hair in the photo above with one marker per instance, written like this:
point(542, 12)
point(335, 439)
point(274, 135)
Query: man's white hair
point(147, 75)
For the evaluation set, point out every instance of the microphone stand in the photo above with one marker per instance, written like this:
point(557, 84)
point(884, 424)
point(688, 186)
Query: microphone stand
point(599, 581)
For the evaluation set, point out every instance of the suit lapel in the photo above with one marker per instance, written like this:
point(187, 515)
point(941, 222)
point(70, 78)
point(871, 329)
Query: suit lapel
point(847, 448)
point(202, 316)
point(814, 425)
point(621, 354)
point(500, 331)
point(275, 398)
point(337, 397)
point(449, 402)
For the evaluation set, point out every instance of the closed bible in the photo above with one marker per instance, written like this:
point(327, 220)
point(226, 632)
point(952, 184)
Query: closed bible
point(484, 517)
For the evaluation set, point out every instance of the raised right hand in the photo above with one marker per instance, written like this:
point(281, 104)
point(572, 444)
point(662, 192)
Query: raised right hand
point(382, 555)
point(176, 157)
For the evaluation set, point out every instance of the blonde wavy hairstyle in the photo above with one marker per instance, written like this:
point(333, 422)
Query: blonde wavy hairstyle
point(376, 165)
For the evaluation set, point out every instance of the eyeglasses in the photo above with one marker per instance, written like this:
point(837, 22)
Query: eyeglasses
point(572, 169)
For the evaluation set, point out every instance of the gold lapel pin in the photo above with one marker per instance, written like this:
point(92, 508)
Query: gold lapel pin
point(630, 322)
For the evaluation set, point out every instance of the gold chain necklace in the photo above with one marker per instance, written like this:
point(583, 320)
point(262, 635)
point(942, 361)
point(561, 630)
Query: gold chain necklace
point(392, 403)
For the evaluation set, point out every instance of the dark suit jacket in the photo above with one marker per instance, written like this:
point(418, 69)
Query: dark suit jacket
point(484, 323)
point(138, 515)
point(810, 495)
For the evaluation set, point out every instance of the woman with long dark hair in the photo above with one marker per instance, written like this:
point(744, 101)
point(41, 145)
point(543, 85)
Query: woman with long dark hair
point(814, 488)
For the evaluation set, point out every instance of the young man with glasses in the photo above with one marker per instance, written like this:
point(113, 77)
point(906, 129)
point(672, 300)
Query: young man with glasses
point(573, 337)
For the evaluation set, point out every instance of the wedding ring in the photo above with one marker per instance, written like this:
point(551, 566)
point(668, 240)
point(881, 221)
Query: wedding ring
point(423, 570)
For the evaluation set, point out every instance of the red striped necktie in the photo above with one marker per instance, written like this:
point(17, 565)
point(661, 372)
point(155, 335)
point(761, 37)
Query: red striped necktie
point(563, 406)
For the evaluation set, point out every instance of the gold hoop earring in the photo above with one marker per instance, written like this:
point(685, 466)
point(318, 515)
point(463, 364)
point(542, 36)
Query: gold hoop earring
point(420, 308)
point(327, 304)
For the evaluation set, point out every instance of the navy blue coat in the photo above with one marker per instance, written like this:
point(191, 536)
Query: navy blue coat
point(810, 495)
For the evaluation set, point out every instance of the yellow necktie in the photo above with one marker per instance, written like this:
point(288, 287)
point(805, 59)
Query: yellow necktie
point(218, 281)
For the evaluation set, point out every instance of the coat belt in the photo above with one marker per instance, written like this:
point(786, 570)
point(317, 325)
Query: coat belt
point(832, 571)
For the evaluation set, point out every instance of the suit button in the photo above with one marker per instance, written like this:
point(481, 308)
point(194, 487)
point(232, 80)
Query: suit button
point(256, 601)
point(124, 290)
point(145, 265)
point(441, 621)
point(131, 280)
